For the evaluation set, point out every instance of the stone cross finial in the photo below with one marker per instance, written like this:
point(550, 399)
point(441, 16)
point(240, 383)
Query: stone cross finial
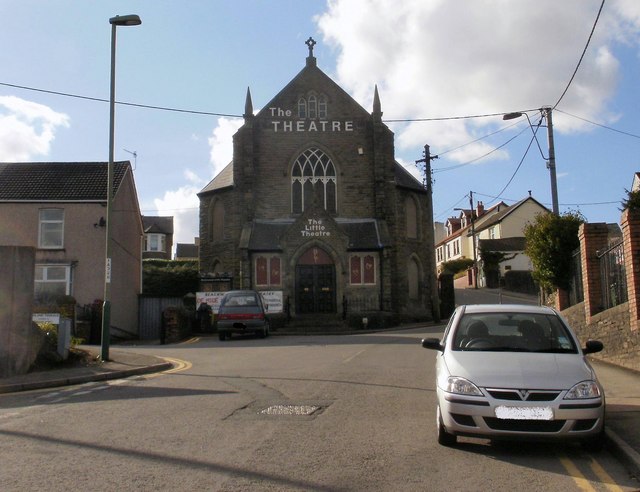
point(310, 43)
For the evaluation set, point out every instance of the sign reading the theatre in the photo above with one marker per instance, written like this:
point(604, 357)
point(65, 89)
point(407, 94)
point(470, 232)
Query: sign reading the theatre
point(306, 125)
point(314, 228)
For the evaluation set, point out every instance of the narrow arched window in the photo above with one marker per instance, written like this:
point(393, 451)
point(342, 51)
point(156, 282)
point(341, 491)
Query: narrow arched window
point(313, 178)
point(411, 217)
point(322, 107)
point(302, 108)
point(413, 276)
point(313, 106)
point(216, 221)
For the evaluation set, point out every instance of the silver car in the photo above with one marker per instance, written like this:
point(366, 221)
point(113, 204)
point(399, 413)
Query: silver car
point(515, 372)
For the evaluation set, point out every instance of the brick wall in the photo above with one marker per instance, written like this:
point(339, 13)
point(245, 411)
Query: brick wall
point(617, 327)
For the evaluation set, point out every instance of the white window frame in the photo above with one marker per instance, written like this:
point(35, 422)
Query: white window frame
point(44, 269)
point(48, 226)
point(161, 238)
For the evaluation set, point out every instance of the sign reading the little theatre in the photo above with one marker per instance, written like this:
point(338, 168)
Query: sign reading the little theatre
point(315, 228)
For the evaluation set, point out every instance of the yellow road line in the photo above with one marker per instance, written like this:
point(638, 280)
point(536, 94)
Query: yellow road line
point(191, 340)
point(179, 365)
point(578, 477)
point(604, 477)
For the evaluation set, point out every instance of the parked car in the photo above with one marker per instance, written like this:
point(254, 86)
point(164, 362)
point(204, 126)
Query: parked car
point(242, 311)
point(515, 372)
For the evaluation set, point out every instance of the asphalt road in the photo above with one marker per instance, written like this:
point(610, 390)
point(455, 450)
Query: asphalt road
point(322, 413)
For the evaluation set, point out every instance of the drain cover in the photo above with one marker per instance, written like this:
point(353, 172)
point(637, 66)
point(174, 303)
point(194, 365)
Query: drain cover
point(290, 410)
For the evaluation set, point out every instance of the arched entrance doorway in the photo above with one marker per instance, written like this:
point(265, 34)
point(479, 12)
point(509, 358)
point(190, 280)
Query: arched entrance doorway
point(315, 282)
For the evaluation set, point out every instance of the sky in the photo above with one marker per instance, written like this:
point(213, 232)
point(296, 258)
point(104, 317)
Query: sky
point(446, 72)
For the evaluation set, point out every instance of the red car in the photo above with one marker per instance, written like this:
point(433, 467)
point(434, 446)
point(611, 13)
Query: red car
point(242, 311)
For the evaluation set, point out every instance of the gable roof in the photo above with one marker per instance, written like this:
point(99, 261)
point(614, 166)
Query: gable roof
point(157, 224)
point(501, 215)
point(58, 181)
point(224, 179)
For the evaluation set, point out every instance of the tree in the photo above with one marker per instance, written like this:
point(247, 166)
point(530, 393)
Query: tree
point(550, 242)
point(632, 201)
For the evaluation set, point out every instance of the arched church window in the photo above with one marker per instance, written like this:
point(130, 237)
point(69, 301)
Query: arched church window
point(302, 108)
point(313, 178)
point(216, 221)
point(313, 106)
point(413, 276)
point(322, 107)
point(411, 217)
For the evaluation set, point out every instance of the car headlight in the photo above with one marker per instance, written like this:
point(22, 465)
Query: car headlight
point(462, 386)
point(585, 389)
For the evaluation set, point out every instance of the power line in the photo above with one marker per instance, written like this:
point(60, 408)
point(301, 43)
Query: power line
point(581, 56)
point(598, 124)
point(122, 103)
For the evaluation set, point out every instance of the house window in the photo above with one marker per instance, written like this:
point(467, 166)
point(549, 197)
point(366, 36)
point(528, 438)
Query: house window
point(51, 228)
point(362, 270)
point(456, 247)
point(52, 282)
point(492, 233)
point(155, 242)
point(268, 270)
point(313, 177)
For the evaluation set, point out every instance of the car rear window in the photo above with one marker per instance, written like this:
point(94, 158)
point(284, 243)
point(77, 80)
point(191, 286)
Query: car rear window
point(241, 300)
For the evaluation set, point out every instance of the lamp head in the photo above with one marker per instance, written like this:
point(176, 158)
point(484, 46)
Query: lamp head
point(512, 116)
point(125, 20)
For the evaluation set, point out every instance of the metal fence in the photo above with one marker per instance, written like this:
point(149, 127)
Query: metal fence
point(576, 291)
point(613, 276)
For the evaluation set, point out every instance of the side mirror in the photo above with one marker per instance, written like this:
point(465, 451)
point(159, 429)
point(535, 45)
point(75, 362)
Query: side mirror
point(433, 344)
point(593, 346)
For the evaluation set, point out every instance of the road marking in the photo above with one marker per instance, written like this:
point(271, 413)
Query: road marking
point(349, 359)
point(604, 477)
point(178, 366)
point(191, 340)
point(578, 477)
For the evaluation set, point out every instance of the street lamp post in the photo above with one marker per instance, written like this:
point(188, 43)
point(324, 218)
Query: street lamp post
point(551, 162)
point(124, 20)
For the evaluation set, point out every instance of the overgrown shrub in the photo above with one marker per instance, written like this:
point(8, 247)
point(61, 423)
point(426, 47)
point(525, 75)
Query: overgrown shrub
point(170, 278)
point(457, 266)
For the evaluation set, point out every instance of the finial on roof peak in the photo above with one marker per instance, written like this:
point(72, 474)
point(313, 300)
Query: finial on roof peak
point(311, 60)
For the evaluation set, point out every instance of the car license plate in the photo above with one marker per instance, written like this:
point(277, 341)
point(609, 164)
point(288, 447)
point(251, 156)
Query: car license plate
point(524, 413)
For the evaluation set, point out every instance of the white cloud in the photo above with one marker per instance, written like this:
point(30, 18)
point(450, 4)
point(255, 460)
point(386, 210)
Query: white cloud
point(221, 142)
point(27, 128)
point(436, 58)
point(183, 205)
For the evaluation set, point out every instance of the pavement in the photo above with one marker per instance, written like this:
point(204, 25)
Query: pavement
point(622, 391)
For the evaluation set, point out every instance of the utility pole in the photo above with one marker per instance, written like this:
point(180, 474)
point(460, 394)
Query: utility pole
point(473, 241)
point(431, 275)
point(551, 164)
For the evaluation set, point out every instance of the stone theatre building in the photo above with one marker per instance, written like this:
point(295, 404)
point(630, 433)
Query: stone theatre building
point(315, 207)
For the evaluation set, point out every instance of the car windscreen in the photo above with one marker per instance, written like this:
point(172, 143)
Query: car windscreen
point(513, 332)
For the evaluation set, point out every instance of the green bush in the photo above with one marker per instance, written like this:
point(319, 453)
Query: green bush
point(170, 278)
point(457, 266)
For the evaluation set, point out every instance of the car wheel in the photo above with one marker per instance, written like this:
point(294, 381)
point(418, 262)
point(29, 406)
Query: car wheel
point(222, 336)
point(444, 438)
point(267, 330)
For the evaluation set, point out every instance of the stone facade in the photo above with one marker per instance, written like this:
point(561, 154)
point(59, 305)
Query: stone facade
point(315, 205)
